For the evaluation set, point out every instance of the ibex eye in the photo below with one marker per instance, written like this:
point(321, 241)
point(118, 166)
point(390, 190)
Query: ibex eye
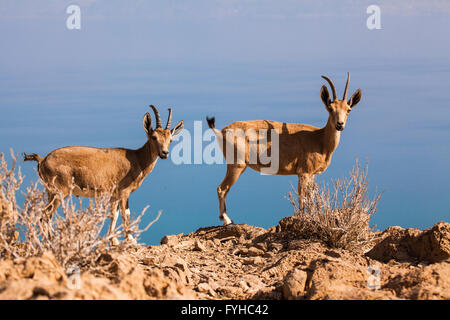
point(153, 138)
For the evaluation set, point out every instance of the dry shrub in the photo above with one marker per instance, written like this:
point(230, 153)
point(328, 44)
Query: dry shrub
point(337, 213)
point(75, 237)
point(9, 184)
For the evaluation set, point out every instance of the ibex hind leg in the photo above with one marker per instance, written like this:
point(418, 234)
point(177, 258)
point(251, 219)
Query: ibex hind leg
point(53, 203)
point(233, 173)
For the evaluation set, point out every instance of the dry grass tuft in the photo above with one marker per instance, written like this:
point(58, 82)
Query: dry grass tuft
point(337, 213)
point(75, 237)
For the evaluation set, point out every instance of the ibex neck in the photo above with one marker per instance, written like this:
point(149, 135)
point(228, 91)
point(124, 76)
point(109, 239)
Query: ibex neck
point(331, 137)
point(147, 157)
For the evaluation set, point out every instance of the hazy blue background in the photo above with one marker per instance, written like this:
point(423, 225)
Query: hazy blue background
point(236, 60)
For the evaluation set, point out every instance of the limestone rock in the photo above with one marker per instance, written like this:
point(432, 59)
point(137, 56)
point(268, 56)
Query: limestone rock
point(171, 240)
point(431, 245)
point(294, 284)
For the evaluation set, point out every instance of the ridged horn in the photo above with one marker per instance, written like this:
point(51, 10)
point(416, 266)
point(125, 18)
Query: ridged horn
point(333, 89)
point(346, 87)
point(169, 120)
point(157, 116)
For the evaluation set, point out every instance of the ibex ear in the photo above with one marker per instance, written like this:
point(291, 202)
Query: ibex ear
point(325, 96)
point(355, 98)
point(147, 123)
point(177, 129)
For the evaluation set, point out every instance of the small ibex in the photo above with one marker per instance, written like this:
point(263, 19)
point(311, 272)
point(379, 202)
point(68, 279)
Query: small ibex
point(88, 172)
point(304, 150)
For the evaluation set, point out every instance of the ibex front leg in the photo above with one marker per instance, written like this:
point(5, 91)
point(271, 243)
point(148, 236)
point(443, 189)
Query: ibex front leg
point(304, 183)
point(125, 210)
point(112, 226)
point(233, 173)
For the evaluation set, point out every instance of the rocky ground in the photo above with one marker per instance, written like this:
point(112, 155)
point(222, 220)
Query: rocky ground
point(246, 262)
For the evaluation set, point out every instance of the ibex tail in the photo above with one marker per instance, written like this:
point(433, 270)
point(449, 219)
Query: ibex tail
point(32, 157)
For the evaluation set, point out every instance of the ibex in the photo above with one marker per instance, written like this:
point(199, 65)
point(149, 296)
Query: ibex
point(88, 172)
point(304, 150)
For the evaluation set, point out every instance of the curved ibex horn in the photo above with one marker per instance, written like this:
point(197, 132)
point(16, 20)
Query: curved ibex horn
point(169, 120)
point(157, 116)
point(346, 87)
point(333, 89)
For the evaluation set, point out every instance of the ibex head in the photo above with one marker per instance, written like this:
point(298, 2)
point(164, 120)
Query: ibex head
point(339, 109)
point(160, 138)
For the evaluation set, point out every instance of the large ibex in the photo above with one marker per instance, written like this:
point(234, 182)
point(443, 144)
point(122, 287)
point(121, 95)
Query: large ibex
point(88, 172)
point(304, 150)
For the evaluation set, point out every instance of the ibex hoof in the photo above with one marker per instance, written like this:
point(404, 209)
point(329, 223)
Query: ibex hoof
point(131, 239)
point(226, 220)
